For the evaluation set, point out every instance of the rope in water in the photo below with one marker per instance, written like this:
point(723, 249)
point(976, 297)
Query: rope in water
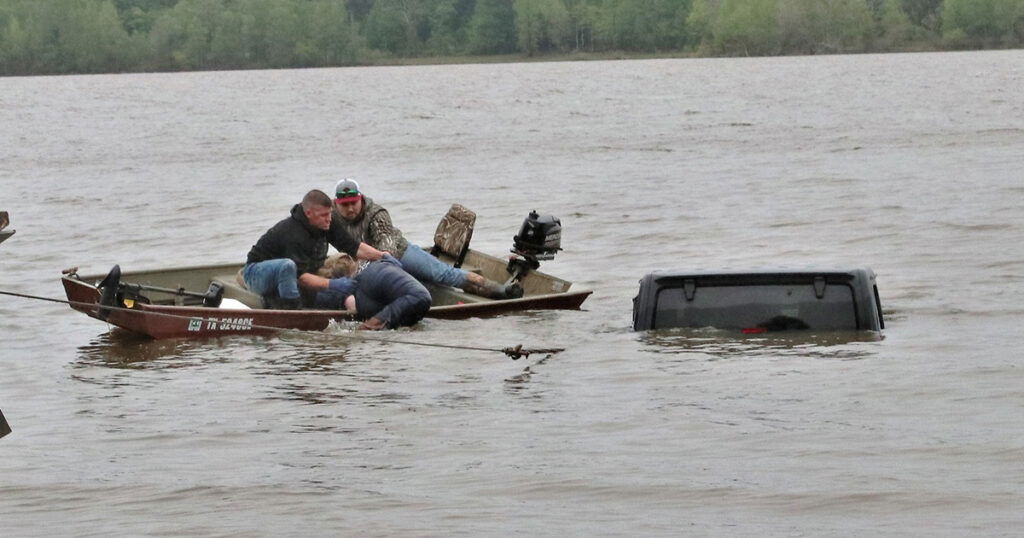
point(514, 352)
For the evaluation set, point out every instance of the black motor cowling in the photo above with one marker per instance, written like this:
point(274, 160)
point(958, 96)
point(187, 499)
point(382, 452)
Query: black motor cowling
point(540, 237)
point(109, 288)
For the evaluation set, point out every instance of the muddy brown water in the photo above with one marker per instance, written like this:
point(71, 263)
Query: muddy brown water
point(909, 164)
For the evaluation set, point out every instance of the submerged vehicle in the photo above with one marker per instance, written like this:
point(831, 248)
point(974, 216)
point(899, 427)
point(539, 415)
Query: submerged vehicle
point(164, 303)
point(760, 301)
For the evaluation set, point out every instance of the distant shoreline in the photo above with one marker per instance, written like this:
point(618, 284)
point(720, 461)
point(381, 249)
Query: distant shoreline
point(536, 58)
point(510, 59)
point(624, 55)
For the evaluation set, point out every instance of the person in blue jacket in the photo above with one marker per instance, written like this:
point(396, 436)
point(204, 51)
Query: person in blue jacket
point(382, 293)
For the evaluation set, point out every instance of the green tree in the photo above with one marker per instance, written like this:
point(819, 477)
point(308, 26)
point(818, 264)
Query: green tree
point(976, 19)
point(330, 38)
point(16, 42)
point(985, 23)
point(541, 25)
point(395, 25)
point(72, 36)
point(94, 37)
point(670, 24)
point(584, 19)
point(746, 27)
point(648, 24)
point(446, 23)
point(275, 31)
point(492, 28)
point(700, 23)
point(231, 40)
point(824, 26)
point(894, 27)
point(1011, 12)
point(181, 37)
point(358, 10)
point(924, 13)
point(137, 16)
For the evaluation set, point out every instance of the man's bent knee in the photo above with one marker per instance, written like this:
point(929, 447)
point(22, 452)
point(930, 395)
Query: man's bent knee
point(288, 267)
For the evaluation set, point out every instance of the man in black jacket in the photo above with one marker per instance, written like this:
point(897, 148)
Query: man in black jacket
point(282, 265)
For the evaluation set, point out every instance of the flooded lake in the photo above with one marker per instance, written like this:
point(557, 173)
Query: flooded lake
point(910, 164)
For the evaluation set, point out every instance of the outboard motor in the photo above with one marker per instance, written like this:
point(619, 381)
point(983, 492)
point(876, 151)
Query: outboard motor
point(539, 238)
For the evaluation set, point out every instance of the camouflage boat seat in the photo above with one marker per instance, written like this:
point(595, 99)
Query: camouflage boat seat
point(453, 234)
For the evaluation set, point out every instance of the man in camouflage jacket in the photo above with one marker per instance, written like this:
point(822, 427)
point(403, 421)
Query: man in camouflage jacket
point(369, 222)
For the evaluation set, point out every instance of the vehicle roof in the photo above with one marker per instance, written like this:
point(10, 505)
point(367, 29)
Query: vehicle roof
point(761, 271)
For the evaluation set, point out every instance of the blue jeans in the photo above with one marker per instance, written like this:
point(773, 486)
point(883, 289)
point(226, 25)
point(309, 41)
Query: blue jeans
point(385, 291)
point(427, 268)
point(273, 277)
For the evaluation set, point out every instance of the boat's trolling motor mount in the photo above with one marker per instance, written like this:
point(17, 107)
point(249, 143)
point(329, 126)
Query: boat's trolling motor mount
point(539, 238)
point(113, 292)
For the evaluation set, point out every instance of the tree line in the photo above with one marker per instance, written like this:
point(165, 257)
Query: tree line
point(92, 36)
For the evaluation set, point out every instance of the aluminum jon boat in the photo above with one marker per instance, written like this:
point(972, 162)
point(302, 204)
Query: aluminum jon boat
point(168, 303)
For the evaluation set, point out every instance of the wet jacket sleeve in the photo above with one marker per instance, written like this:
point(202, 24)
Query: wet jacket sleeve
point(343, 285)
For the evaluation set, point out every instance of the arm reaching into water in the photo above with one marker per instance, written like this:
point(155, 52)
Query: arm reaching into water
point(313, 282)
point(366, 252)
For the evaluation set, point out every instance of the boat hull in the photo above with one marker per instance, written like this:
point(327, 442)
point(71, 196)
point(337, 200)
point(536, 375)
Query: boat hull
point(162, 315)
point(160, 321)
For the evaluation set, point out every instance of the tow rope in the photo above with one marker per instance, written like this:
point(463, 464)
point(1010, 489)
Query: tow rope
point(513, 352)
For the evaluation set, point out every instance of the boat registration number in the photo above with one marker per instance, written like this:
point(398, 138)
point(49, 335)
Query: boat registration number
point(220, 324)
